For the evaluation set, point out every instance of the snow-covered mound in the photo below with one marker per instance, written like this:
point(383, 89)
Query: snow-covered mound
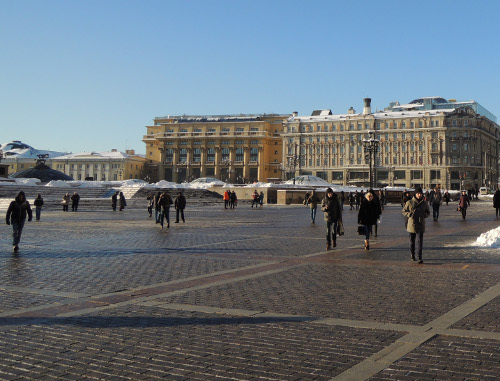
point(308, 180)
point(206, 182)
point(489, 239)
point(58, 184)
point(21, 181)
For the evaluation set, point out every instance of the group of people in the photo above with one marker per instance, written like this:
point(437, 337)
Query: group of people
point(257, 198)
point(75, 200)
point(118, 197)
point(230, 199)
point(415, 210)
point(161, 203)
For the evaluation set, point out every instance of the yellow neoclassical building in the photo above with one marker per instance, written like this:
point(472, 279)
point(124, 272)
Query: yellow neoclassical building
point(233, 148)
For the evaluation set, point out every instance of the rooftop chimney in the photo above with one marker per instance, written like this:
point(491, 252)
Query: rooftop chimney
point(295, 114)
point(367, 109)
point(351, 111)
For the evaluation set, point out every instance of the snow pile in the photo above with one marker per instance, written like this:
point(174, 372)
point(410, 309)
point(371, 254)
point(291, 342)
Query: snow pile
point(58, 184)
point(23, 182)
point(307, 180)
point(489, 239)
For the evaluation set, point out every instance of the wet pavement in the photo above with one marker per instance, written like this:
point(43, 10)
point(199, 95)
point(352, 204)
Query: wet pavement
point(248, 294)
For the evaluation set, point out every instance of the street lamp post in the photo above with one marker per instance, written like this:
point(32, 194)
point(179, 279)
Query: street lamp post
point(371, 147)
point(227, 163)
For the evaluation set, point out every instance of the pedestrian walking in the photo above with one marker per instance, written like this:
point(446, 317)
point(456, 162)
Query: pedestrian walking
point(351, 200)
point(368, 215)
point(157, 207)
point(180, 204)
point(342, 200)
point(463, 203)
point(233, 200)
point(123, 202)
point(378, 207)
point(164, 202)
point(436, 201)
point(357, 198)
point(313, 201)
point(226, 198)
point(114, 201)
point(416, 211)
point(496, 202)
point(151, 203)
point(261, 199)
point(65, 202)
point(446, 197)
point(255, 198)
point(381, 197)
point(38, 206)
point(306, 197)
point(16, 216)
point(333, 214)
point(75, 200)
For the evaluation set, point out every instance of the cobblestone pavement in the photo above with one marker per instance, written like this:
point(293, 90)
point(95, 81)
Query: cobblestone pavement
point(247, 294)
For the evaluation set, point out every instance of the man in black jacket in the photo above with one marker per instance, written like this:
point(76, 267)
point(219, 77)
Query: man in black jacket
point(333, 214)
point(16, 216)
point(180, 204)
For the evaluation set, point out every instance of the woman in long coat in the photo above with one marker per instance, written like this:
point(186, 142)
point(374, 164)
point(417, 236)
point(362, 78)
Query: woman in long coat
point(368, 215)
point(463, 203)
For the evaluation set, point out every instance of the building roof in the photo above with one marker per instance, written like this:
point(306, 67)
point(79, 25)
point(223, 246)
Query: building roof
point(19, 150)
point(42, 172)
point(218, 118)
point(376, 115)
point(97, 155)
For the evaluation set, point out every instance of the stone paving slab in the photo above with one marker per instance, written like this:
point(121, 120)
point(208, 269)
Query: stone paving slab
point(158, 343)
point(246, 294)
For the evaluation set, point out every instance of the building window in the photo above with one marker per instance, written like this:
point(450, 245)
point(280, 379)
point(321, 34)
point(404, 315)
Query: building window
point(197, 155)
point(254, 154)
point(466, 147)
point(182, 155)
point(239, 154)
point(225, 154)
point(420, 123)
point(454, 122)
point(412, 124)
point(211, 155)
point(403, 124)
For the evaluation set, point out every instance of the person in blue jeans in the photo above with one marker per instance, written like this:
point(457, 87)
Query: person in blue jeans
point(313, 201)
point(333, 214)
point(38, 206)
point(16, 216)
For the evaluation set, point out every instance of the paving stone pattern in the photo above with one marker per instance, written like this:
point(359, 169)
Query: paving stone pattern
point(247, 294)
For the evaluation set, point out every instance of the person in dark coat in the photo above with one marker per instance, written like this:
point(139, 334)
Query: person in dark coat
point(379, 208)
point(38, 206)
point(180, 204)
point(496, 201)
point(447, 197)
point(114, 201)
point(463, 203)
point(416, 211)
point(123, 202)
point(313, 202)
point(164, 202)
point(233, 200)
point(157, 207)
point(368, 215)
point(75, 200)
point(16, 216)
point(330, 206)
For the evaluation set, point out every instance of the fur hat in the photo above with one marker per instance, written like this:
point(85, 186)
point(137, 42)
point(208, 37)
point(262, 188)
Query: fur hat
point(418, 190)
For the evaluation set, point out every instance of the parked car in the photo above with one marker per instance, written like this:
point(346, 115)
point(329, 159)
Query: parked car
point(483, 190)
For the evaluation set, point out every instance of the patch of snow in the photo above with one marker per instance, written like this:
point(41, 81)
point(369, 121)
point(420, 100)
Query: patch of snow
point(489, 239)
point(58, 184)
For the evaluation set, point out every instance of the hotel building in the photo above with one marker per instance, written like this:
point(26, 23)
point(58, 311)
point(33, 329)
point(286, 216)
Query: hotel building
point(453, 145)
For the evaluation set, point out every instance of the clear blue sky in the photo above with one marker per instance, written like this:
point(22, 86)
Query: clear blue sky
point(90, 75)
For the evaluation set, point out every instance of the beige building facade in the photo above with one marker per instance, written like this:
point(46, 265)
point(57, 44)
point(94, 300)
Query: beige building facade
point(101, 166)
point(452, 148)
point(232, 148)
